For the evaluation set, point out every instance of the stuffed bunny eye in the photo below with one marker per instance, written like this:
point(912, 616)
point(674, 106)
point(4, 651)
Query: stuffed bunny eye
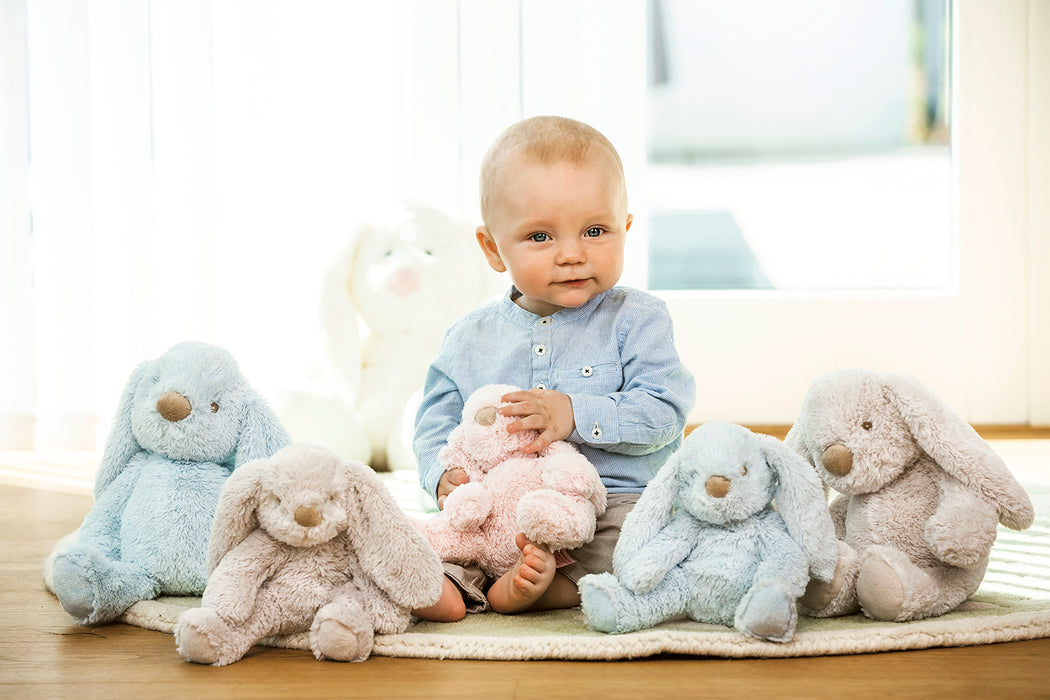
point(214, 407)
point(744, 472)
point(866, 425)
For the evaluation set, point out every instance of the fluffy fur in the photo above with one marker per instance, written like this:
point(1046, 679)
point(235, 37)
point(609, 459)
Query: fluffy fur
point(553, 498)
point(919, 496)
point(307, 541)
point(705, 541)
point(185, 421)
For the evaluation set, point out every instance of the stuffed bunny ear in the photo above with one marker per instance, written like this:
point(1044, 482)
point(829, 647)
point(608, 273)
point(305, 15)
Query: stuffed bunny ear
point(388, 546)
point(262, 433)
point(121, 444)
point(801, 502)
point(340, 333)
point(235, 515)
point(959, 450)
point(651, 513)
point(795, 441)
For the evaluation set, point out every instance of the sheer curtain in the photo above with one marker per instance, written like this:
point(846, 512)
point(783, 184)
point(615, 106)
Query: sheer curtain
point(185, 169)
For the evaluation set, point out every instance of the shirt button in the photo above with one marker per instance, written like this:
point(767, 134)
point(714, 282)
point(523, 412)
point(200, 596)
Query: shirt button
point(596, 432)
point(541, 385)
point(587, 371)
point(545, 321)
point(540, 350)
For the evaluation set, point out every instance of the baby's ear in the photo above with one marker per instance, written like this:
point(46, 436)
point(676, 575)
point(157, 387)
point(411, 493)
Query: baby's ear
point(488, 246)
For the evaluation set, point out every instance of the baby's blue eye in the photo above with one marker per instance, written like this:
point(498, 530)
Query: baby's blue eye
point(540, 237)
point(594, 232)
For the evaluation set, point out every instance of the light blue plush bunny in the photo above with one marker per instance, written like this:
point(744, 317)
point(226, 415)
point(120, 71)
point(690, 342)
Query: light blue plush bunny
point(185, 421)
point(705, 541)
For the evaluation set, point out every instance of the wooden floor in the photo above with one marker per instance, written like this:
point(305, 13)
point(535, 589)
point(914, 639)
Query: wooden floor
point(42, 654)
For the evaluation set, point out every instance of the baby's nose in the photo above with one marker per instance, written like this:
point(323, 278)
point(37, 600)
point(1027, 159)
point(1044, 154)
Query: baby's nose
point(571, 252)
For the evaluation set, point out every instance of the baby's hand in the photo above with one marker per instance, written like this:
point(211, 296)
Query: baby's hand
point(547, 412)
point(449, 481)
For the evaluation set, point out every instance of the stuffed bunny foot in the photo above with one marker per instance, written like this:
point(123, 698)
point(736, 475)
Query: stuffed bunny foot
point(95, 590)
point(837, 597)
point(203, 637)
point(556, 519)
point(609, 607)
point(192, 639)
point(891, 587)
point(767, 613)
point(602, 598)
point(342, 631)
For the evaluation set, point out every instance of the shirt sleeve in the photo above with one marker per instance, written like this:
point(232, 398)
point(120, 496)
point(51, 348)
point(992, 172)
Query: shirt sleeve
point(658, 392)
point(439, 412)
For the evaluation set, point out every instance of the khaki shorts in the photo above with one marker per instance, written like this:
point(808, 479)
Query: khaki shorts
point(595, 557)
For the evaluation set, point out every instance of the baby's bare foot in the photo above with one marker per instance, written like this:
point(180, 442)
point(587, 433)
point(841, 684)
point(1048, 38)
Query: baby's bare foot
point(517, 590)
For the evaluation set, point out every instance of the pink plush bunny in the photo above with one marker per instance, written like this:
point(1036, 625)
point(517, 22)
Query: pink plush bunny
point(552, 497)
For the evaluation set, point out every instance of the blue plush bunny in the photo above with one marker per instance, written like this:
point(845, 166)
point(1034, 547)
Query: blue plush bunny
point(704, 540)
point(185, 421)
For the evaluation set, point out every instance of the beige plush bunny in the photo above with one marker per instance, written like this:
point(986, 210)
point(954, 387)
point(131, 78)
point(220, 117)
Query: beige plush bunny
point(919, 496)
point(307, 541)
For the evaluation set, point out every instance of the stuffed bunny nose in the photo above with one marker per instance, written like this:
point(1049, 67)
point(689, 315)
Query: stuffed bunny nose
point(404, 282)
point(486, 416)
point(173, 406)
point(838, 460)
point(717, 486)
point(307, 516)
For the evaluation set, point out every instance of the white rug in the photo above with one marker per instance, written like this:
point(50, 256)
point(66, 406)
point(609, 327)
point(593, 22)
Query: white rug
point(1013, 604)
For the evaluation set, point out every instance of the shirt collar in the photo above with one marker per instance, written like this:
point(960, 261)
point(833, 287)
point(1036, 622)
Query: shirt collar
point(528, 319)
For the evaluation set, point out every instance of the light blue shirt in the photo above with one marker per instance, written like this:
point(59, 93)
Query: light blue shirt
point(614, 357)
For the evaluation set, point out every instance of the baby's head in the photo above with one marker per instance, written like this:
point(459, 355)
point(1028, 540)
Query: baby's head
point(554, 207)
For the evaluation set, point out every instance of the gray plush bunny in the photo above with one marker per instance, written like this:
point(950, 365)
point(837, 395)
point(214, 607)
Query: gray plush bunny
point(919, 496)
point(308, 541)
point(704, 540)
point(185, 421)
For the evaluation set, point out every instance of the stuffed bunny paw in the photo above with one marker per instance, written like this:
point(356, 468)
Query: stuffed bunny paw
point(962, 534)
point(467, 506)
point(839, 596)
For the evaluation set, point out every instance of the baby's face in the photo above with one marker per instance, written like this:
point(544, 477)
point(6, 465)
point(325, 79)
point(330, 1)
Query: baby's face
point(559, 229)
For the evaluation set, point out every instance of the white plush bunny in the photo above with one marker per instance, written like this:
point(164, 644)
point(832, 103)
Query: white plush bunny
point(307, 541)
point(919, 496)
point(386, 303)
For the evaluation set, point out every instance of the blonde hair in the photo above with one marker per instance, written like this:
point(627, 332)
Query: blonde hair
point(545, 140)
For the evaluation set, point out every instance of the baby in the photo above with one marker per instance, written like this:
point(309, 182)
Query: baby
point(600, 359)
